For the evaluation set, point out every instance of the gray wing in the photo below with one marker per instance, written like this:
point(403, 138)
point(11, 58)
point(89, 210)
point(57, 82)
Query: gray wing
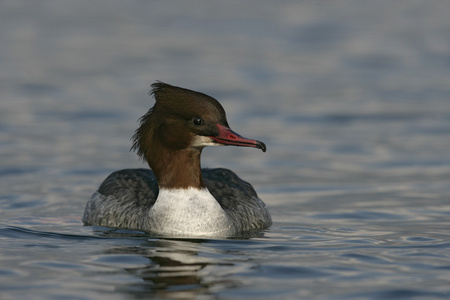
point(135, 185)
point(238, 198)
point(227, 188)
point(123, 199)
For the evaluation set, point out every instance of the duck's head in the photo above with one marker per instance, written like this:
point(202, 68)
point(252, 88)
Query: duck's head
point(184, 119)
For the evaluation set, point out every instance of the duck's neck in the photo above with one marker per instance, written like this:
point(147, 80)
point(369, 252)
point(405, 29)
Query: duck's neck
point(178, 169)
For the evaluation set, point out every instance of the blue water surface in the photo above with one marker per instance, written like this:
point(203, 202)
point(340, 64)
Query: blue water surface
point(352, 99)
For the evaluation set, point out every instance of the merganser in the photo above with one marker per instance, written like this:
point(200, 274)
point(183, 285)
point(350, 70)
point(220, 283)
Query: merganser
point(176, 197)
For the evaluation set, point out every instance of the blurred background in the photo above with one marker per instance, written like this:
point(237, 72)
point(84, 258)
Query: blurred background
point(351, 97)
point(328, 86)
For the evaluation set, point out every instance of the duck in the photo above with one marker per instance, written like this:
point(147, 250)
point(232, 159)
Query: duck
point(176, 197)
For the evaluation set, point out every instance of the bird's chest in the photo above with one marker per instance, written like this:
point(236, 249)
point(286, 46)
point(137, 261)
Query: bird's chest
point(188, 212)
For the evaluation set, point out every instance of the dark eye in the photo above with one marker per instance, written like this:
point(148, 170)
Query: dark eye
point(197, 121)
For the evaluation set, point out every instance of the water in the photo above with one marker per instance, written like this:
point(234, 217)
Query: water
point(351, 98)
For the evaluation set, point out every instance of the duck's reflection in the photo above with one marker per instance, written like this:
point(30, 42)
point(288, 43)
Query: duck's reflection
point(177, 269)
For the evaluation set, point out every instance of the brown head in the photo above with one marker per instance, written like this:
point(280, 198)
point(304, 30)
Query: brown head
point(177, 128)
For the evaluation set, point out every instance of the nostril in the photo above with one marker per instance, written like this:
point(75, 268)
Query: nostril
point(232, 137)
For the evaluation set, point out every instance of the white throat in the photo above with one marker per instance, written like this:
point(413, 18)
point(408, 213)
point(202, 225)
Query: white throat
point(188, 212)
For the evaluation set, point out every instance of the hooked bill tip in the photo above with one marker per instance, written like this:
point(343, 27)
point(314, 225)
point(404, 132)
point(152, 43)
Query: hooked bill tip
point(261, 146)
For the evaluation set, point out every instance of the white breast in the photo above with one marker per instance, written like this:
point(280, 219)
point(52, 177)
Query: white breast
point(188, 212)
